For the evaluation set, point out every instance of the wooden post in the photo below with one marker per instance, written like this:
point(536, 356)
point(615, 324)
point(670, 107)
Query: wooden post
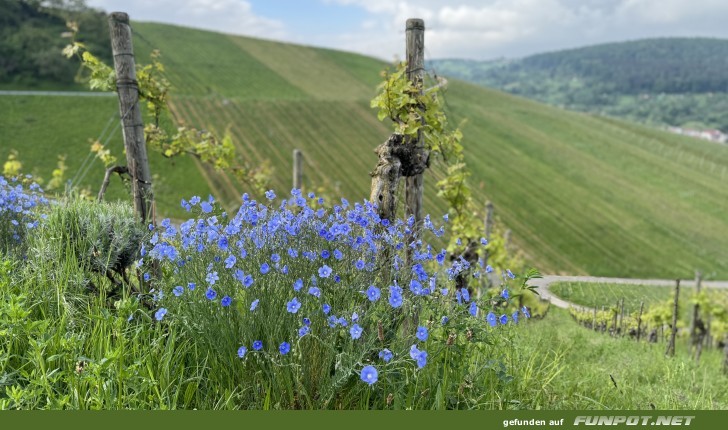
point(673, 331)
point(297, 169)
point(696, 312)
point(639, 320)
point(594, 322)
point(131, 116)
point(725, 355)
point(415, 185)
point(621, 317)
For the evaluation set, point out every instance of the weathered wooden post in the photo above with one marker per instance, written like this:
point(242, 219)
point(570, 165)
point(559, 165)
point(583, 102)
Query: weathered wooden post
point(621, 317)
point(297, 169)
point(639, 320)
point(696, 312)
point(673, 330)
point(415, 185)
point(131, 116)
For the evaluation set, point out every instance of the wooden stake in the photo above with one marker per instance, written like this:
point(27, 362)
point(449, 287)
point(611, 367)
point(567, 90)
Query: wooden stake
point(131, 116)
point(297, 169)
point(673, 331)
point(696, 312)
point(415, 185)
point(639, 320)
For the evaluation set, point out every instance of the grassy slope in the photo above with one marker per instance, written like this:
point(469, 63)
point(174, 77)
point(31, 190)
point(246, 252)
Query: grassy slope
point(581, 194)
point(646, 378)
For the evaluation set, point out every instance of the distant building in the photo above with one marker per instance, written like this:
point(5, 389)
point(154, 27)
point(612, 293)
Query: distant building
point(712, 135)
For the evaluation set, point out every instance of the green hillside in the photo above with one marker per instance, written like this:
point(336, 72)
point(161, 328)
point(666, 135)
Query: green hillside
point(666, 81)
point(581, 194)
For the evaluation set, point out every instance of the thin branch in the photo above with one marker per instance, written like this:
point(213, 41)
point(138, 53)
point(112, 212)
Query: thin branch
point(121, 170)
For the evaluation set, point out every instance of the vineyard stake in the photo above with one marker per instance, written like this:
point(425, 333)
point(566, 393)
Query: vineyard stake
point(415, 185)
point(131, 116)
point(673, 330)
point(297, 169)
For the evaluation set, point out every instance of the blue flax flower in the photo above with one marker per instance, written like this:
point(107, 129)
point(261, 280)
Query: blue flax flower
point(293, 306)
point(526, 312)
point(504, 319)
point(254, 304)
point(369, 375)
point(324, 271)
point(373, 293)
point(210, 294)
point(226, 301)
point(473, 309)
point(303, 331)
point(385, 355)
point(264, 268)
point(514, 317)
point(314, 291)
point(491, 318)
point(326, 308)
point(160, 314)
point(298, 284)
point(505, 294)
point(178, 290)
point(422, 333)
point(258, 345)
point(355, 331)
point(284, 348)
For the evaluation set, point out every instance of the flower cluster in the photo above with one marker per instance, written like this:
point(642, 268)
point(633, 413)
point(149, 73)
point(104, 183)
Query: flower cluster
point(282, 274)
point(18, 208)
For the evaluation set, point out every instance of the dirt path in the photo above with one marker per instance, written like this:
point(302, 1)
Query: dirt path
point(544, 283)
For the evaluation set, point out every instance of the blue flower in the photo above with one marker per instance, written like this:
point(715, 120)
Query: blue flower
point(355, 331)
point(275, 258)
point(230, 261)
point(422, 333)
point(466, 294)
point(210, 294)
point(324, 271)
point(211, 278)
point(270, 195)
point(160, 314)
point(514, 317)
point(369, 375)
point(444, 320)
point(146, 277)
point(326, 308)
point(264, 268)
point(373, 293)
point(325, 254)
point(421, 359)
point(248, 281)
point(242, 351)
point(333, 321)
point(359, 264)
point(226, 301)
point(206, 207)
point(491, 318)
point(488, 269)
point(254, 304)
point(178, 290)
point(385, 355)
point(314, 291)
point(395, 296)
point(343, 322)
point(504, 319)
point(298, 285)
point(483, 241)
point(526, 312)
point(293, 306)
point(338, 255)
point(191, 286)
point(303, 331)
point(258, 345)
point(292, 253)
point(354, 317)
point(510, 274)
point(284, 348)
point(306, 321)
point(473, 309)
point(505, 294)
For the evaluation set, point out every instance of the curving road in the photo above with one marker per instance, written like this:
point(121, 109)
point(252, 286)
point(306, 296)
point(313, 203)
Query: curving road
point(543, 285)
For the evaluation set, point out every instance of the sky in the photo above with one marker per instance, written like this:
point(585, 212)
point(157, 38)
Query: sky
point(470, 29)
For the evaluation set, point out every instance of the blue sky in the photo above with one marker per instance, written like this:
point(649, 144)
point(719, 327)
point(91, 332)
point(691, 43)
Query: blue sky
point(474, 29)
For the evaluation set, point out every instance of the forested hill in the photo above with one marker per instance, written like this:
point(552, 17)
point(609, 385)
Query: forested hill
point(31, 42)
point(671, 81)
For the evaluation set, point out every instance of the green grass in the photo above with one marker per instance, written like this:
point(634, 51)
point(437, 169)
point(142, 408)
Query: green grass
point(599, 294)
point(645, 377)
point(582, 194)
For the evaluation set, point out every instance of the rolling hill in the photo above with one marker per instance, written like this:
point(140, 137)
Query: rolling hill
point(666, 81)
point(582, 194)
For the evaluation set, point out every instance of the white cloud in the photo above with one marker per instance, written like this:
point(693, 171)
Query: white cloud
point(228, 16)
